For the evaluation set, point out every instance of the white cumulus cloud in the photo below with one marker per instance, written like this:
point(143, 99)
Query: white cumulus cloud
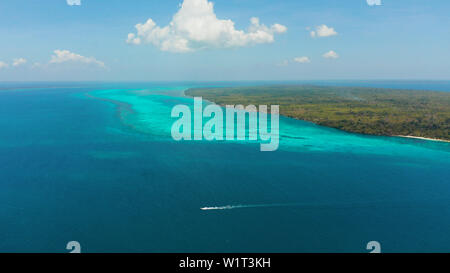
point(374, 2)
point(331, 55)
point(19, 62)
point(195, 26)
point(323, 31)
point(73, 2)
point(62, 56)
point(302, 60)
point(3, 65)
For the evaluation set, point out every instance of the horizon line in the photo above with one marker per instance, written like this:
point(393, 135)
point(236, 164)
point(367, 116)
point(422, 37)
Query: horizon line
point(209, 81)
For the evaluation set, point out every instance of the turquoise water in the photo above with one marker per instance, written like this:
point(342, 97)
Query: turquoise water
point(96, 163)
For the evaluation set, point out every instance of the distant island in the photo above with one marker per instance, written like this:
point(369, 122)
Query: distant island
point(374, 111)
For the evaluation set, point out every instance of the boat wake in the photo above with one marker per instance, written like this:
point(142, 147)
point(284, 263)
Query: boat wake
point(248, 206)
point(359, 205)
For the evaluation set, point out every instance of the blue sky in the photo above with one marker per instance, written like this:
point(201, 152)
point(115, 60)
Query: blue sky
point(51, 40)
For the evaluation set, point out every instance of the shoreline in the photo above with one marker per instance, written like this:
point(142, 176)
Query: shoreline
point(425, 138)
point(402, 136)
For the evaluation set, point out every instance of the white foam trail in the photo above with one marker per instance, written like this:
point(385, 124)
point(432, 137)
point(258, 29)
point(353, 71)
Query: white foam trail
point(324, 206)
point(248, 206)
point(220, 208)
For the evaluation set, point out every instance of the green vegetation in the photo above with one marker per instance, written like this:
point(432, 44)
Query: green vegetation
point(361, 110)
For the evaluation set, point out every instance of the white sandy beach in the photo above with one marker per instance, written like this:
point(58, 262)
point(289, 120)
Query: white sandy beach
point(425, 138)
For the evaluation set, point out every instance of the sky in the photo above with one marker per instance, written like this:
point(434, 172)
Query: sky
point(224, 40)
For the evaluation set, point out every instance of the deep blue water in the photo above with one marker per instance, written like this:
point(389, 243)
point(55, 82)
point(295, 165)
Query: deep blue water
point(72, 169)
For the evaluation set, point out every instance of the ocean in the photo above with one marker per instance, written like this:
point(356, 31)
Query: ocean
point(95, 163)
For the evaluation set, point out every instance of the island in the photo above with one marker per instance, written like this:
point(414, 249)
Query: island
point(374, 111)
